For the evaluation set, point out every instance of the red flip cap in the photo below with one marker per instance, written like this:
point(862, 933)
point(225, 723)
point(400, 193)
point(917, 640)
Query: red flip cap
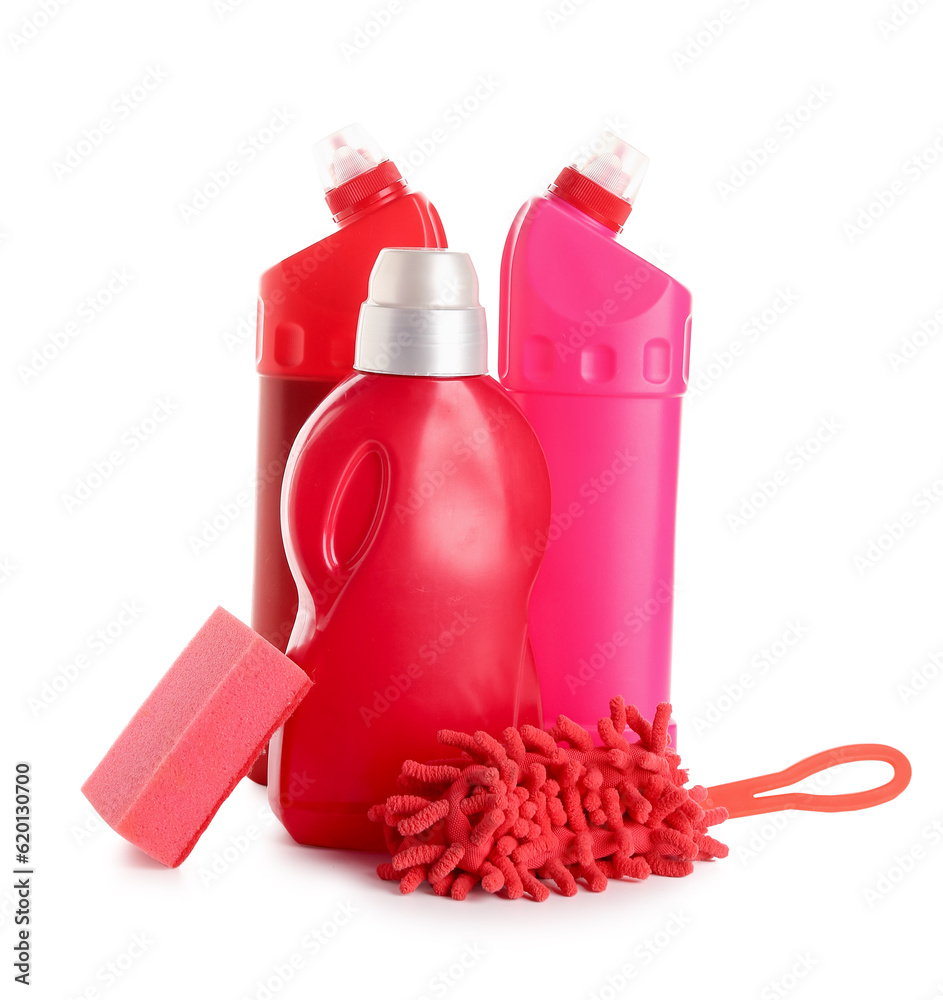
point(604, 188)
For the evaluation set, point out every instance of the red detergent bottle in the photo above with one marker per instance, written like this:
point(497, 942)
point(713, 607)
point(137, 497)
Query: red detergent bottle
point(408, 498)
point(307, 324)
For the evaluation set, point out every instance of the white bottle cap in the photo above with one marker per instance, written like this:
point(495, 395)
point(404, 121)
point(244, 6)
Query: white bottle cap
point(618, 167)
point(422, 316)
point(346, 154)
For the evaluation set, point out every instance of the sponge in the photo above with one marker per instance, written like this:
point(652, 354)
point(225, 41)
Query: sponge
point(195, 737)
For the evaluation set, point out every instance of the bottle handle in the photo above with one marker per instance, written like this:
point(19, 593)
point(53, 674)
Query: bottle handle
point(739, 797)
point(340, 564)
point(324, 462)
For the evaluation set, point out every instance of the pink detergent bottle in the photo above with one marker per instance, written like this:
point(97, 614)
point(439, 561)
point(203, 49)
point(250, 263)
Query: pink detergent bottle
point(409, 498)
point(594, 347)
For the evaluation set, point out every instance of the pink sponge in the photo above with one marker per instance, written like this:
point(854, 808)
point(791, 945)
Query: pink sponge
point(195, 737)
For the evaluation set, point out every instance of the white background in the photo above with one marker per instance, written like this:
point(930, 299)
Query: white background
point(849, 900)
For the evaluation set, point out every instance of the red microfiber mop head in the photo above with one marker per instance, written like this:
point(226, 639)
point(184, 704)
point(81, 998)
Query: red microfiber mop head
point(510, 812)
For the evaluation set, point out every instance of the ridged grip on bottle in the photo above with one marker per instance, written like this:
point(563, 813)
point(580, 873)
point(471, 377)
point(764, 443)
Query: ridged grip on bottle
point(582, 315)
point(351, 195)
point(591, 198)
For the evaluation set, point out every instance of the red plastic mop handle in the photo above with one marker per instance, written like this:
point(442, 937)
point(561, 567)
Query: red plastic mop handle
point(738, 797)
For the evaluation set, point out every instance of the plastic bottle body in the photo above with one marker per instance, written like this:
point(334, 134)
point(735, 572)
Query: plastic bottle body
point(594, 348)
point(284, 405)
point(407, 506)
point(307, 323)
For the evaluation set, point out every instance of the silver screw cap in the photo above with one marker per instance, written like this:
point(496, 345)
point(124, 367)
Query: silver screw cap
point(422, 316)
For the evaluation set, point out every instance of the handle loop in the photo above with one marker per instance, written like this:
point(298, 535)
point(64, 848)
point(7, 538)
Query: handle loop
point(739, 797)
point(343, 564)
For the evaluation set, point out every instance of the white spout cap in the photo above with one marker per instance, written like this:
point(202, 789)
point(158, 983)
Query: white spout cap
point(422, 316)
point(618, 167)
point(346, 154)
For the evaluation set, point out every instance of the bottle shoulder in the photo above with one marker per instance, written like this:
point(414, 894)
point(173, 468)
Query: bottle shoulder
point(583, 314)
point(412, 415)
point(411, 216)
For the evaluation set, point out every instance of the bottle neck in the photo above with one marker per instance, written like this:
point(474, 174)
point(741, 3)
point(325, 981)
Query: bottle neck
point(371, 203)
point(565, 206)
point(591, 198)
point(365, 191)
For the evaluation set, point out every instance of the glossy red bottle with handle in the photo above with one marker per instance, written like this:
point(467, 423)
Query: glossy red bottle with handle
point(408, 503)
